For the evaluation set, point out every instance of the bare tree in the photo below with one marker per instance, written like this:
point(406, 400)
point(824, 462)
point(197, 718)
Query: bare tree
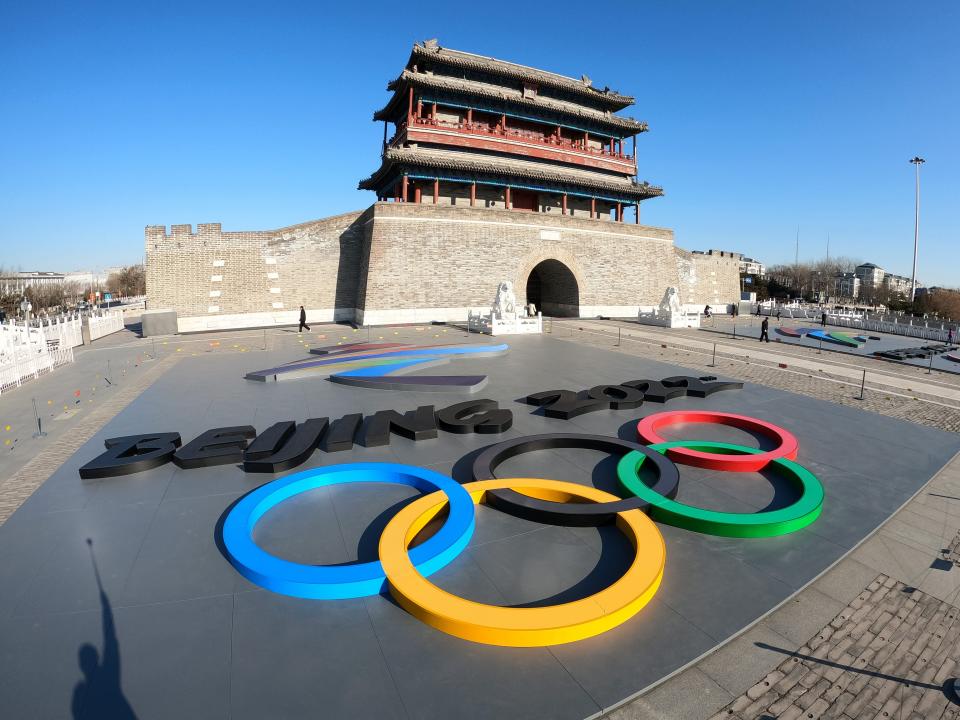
point(131, 280)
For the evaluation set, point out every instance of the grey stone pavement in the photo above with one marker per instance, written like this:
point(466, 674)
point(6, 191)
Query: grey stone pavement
point(196, 640)
point(890, 389)
point(876, 635)
point(748, 326)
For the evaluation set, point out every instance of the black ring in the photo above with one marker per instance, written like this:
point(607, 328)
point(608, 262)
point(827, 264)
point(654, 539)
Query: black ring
point(570, 514)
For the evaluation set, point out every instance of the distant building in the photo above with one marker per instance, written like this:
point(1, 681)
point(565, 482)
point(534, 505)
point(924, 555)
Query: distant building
point(17, 283)
point(748, 266)
point(874, 278)
point(846, 285)
point(898, 284)
point(871, 276)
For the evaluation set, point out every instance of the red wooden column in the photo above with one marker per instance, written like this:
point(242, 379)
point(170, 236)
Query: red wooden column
point(436, 190)
point(404, 192)
point(508, 198)
point(473, 194)
point(563, 205)
point(469, 116)
point(416, 194)
point(410, 107)
point(638, 214)
point(586, 140)
point(619, 212)
point(433, 112)
point(593, 208)
point(419, 108)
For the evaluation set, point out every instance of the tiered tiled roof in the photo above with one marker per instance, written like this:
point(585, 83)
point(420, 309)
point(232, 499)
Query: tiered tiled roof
point(432, 52)
point(473, 164)
point(614, 124)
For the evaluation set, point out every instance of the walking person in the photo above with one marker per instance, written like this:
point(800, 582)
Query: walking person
point(303, 320)
point(950, 336)
point(764, 327)
point(823, 319)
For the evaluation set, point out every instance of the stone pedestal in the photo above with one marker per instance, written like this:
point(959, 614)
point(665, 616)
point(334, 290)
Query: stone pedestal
point(158, 322)
point(504, 317)
point(670, 313)
point(517, 325)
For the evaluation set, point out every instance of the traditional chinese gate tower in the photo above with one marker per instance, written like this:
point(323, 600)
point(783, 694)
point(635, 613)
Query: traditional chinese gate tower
point(488, 133)
point(494, 171)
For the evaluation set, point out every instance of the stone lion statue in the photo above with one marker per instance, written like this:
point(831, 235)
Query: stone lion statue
point(671, 302)
point(505, 304)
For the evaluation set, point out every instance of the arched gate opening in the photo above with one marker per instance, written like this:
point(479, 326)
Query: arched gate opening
point(552, 287)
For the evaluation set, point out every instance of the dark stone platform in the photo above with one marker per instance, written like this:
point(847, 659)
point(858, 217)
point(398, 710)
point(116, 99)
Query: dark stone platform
point(196, 640)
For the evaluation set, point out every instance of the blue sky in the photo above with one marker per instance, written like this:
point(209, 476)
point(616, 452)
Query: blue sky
point(764, 116)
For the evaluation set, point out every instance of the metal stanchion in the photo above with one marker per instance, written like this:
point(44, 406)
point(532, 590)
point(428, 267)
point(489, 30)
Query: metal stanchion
point(264, 339)
point(713, 363)
point(39, 433)
point(618, 337)
point(863, 382)
point(930, 367)
point(109, 377)
point(820, 348)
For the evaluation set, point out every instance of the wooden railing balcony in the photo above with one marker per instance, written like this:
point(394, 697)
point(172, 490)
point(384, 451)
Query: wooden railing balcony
point(485, 130)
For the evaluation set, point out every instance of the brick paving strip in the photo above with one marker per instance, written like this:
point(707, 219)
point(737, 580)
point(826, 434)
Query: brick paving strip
point(15, 489)
point(888, 654)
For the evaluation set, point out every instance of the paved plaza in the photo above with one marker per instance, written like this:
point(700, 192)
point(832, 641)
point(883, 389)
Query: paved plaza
point(116, 597)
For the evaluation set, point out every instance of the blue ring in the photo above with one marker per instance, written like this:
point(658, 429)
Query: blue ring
point(322, 582)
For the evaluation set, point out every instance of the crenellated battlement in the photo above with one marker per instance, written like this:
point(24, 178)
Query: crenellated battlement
point(157, 233)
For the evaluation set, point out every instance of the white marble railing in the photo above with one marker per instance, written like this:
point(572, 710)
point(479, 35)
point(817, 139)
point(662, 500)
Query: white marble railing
point(909, 327)
point(25, 354)
point(105, 324)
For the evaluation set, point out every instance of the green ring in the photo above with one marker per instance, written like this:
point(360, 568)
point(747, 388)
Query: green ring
point(761, 524)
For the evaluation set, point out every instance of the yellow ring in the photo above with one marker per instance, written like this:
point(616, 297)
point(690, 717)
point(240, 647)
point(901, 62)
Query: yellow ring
point(522, 627)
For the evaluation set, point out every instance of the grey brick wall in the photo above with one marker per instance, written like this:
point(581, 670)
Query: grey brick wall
point(451, 257)
point(392, 258)
point(315, 264)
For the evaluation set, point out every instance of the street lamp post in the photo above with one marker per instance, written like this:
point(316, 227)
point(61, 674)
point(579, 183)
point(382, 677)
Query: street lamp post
point(917, 161)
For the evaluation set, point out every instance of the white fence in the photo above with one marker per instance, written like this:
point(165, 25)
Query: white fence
point(29, 351)
point(911, 327)
point(105, 324)
point(25, 354)
point(63, 331)
point(920, 329)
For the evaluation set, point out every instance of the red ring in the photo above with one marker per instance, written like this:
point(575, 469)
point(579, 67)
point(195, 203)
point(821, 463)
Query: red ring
point(787, 447)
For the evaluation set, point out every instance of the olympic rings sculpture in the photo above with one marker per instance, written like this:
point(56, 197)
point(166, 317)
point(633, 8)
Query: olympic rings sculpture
point(341, 581)
point(566, 513)
point(787, 446)
point(523, 627)
point(760, 524)
point(403, 571)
